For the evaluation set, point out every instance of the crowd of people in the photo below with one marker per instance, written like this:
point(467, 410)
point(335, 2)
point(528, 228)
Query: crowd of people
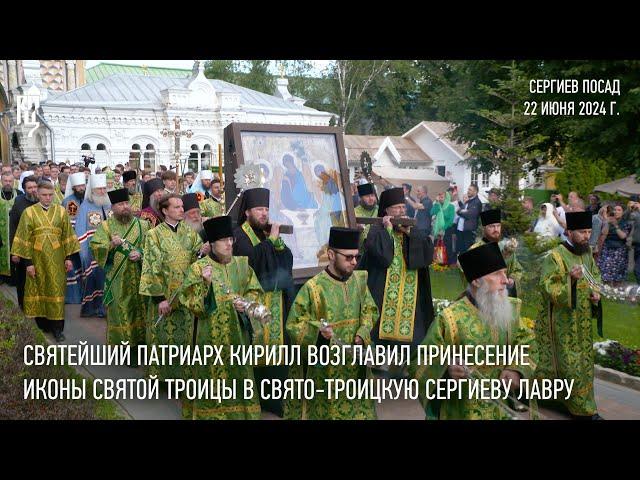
point(616, 227)
point(158, 256)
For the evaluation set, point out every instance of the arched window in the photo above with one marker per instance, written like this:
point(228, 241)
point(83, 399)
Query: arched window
point(150, 157)
point(101, 155)
point(85, 150)
point(205, 157)
point(194, 157)
point(134, 157)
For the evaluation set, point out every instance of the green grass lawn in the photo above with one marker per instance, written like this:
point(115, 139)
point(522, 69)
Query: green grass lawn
point(15, 332)
point(621, 321)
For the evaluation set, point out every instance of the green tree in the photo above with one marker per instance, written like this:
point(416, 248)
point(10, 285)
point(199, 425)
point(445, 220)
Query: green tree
point(258, 76)
point(225, 70)
point(390, 105)
point(352, 78)
point(511, 143)
point(581, 175)
point(449, 93)
point(253, 74)
point(614, 137)
point(316, 90)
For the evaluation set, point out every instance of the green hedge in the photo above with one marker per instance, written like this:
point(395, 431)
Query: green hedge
point(539, 196)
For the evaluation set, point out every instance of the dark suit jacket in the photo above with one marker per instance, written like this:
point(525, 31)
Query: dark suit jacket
point(474, 207)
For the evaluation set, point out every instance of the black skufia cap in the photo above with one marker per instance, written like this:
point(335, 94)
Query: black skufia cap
point(366, 189)
point(252, 198)
point(190, 201)
point(579, 220)
point(344, 238)
point(129, 175)
point(489, 217)
point(393, 196)
point(218, 227)
point(481, 261)
point(151, 186)
point(117, 196)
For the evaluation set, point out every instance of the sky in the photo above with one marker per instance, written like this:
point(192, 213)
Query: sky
point(187, 64)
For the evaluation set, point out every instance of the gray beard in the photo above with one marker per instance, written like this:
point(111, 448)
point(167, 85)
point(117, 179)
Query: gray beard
point(131, 190)
point(101, 200)
point(495, 308)
point(197, 226)
point(31, 198)
point(153, 203)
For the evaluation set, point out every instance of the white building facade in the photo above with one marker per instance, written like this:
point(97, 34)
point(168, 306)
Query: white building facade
point(121, 119)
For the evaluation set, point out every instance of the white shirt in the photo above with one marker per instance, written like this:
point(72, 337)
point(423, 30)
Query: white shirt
point(461, 219)
point(562, 214)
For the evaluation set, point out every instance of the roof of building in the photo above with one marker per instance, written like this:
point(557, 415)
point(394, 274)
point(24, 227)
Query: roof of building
point(442, 131)
point(102, 70)
point(409, 152)
point(121, 88)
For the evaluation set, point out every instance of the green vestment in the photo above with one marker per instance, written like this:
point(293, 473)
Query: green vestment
point(350, 310)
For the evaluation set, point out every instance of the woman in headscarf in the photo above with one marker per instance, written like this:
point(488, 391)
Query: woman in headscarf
point(547, 225)
point(24, 175)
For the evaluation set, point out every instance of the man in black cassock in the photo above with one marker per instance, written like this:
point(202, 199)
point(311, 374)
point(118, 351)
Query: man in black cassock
point(397, 259)
point(21, 203)
point(272, 262)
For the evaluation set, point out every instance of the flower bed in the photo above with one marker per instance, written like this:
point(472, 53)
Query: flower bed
point(612, 354)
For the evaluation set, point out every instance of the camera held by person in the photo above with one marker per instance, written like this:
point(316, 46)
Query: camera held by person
point(88, 159)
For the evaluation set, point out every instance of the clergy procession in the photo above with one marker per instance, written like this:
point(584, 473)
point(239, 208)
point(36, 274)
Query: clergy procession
point(163, 262)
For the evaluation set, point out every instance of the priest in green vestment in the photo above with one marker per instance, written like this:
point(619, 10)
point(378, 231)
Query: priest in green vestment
point(492, 232)
point(564, 326)
point(7, 196)
point(397, 259)
point(45, 241)
point(333, 308)
point(193, 218)
point(169, 249)
point(213, 205)
point(368, 207)
point(209, 293)
point(117, 246)
point(484, 315)
point(211, 208)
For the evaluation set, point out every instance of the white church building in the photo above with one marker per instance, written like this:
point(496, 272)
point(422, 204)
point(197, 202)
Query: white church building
point(120, 118)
